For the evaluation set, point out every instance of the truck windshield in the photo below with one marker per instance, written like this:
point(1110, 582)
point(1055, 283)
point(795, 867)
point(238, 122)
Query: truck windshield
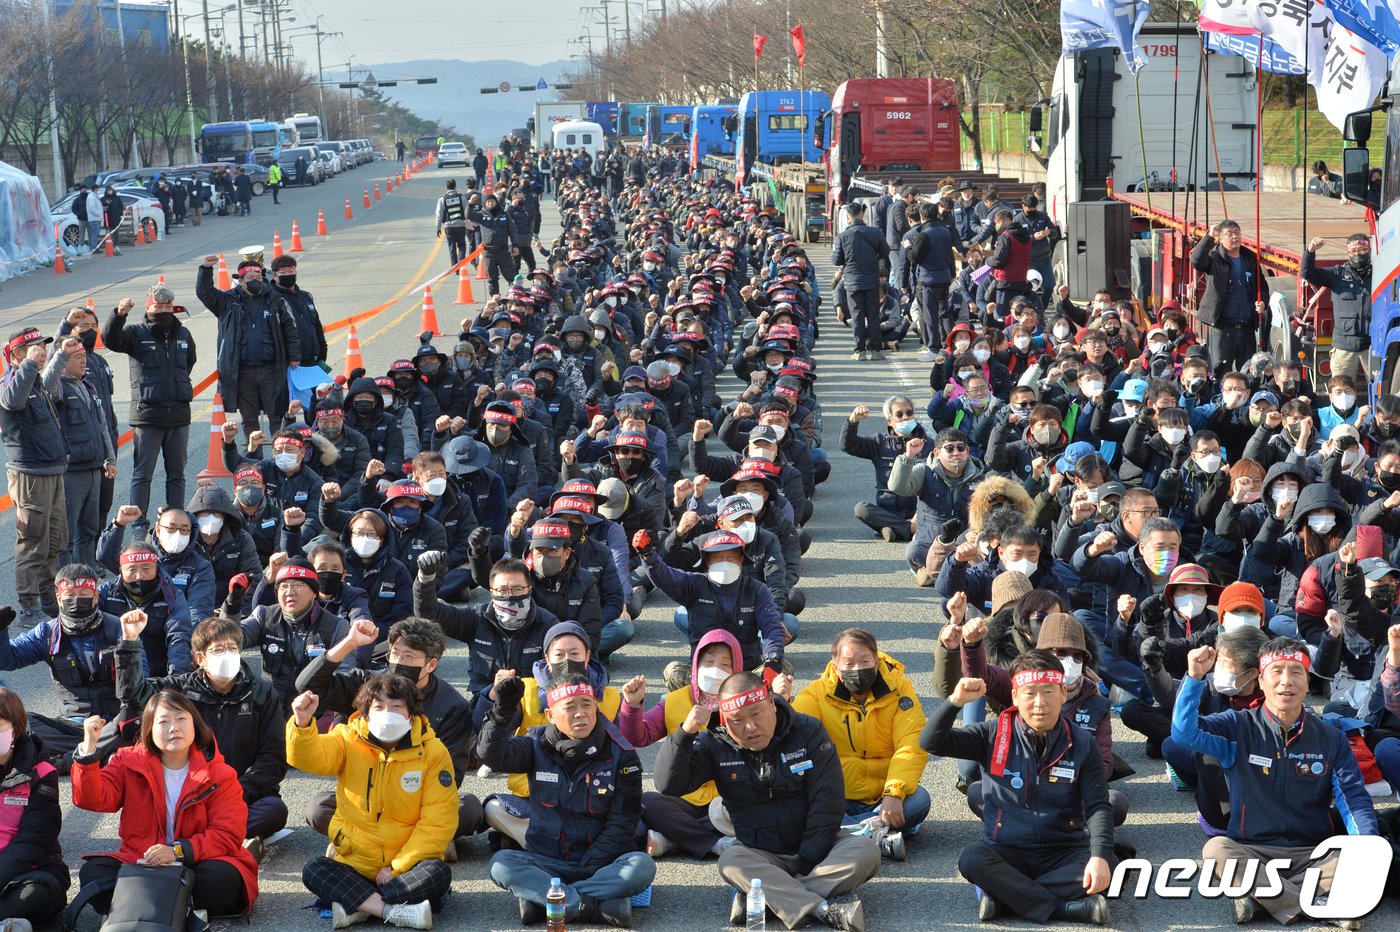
point(223, 146)
point(265, 137)
point(1390, 178)
point(787, 121)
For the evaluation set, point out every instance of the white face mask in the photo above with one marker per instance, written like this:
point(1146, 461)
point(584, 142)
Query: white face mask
point(1023, 343)
point(1188, 605)
point(1074, 671)
point(708, 679)
point(387, 726)
point(1344, 401)
point(1131, 409)
point(364, 545)
point(755, 501)
point(435, 487)
point(981, 354)
point(959, 346)
point(600, 334)
point(780, 430)
point(1092, 389)
point(1234, 399)
point(1156, 347)
point(649, 266)
point(173, 541)
point(746, 531)
point(1349, 459)
point(1024, 567)
point(611, 301)
point(387, 399)
point(1232, 620)
point(965, 374)
point(674, 368)
point(1226, 684)
point(286, 461)
point(1281, 494)
point(1209, 463)
point(1318, 524)
point(1061, 333)
point(1173, 435)
point(223, 667)
point(211, 524)
point(723, 573)
point(1092, 495)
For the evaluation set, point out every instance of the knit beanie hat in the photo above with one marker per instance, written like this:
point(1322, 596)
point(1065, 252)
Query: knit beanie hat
point(1007, 588)
point(1240, 595)
point(1061, 631)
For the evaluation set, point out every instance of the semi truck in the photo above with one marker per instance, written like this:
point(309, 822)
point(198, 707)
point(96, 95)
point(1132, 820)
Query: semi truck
point(267, 141)
point(309, 129)
point(230, 141)
point(668, 125)
point(605, 114)
point(549, 112)
point(707, 133)
point(632, 120)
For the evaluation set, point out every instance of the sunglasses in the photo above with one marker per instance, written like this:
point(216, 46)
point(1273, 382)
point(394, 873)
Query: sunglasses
point(954, 448)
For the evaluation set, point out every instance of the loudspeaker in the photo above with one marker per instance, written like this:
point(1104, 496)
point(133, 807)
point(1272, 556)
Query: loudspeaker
point(1098, 242)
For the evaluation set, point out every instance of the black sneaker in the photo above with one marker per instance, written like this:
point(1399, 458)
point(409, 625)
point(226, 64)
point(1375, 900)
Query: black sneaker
point(1089, 910)
point(531, 913)
point(617, 913)
point(845, 913)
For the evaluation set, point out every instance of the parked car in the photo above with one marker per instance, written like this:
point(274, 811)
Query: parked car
point(454, 152)
point(349, 154)
point(74, 234)
point(315, 167)
point(378, 156)
point(330, 156)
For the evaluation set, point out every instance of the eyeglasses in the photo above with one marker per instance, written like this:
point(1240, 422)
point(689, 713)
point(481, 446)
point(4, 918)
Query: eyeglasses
point(1150, 512)
point(902, 414)
point(512, 591)
point(954, 448)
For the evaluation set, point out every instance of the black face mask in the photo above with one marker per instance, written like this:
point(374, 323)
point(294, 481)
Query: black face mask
point(255, 286)
point(364, 408)
point(330, 583)
point(250, 496)
point(89, 340)
point(1290, 387)
point(407, 671)
point(140, 587)
point(563, 668)
point(858, 682)
point(287, 281)
point(161, 323)
point(78, 617)
point(1390, 481)
point(403, 385)
point(1385, 429)
point(1383, 597)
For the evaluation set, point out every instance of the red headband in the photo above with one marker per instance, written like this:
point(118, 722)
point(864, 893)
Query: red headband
point(735, 703)
point(82, 582)
point(329, 412)
point(1035, 677)
point(551, 530)
point(574, 504)
point(138, 556)
point(559, 693)
point(297, 572)
point(29, 336)
point(1284, 656)
point(498, 417)
point(246, 474)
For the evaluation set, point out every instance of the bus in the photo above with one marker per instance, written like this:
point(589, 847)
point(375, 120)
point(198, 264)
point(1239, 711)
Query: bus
point(267, 141)
point(227, 142)
point(308, 128)
point(424, 146)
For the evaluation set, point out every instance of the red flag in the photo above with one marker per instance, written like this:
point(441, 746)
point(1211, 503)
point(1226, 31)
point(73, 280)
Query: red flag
point(799, 45)
point(758, 43)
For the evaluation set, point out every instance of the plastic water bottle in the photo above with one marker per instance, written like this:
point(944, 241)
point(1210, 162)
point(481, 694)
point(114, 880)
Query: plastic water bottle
point(757, 909)
point(554, 906)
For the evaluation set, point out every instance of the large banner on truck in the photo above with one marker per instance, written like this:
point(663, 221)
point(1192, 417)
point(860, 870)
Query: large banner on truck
point(1104, 24)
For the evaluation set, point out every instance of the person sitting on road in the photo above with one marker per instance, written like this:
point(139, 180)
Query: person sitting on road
point(34, 879)
point(891, 516)
point(182, 569)
point(396, 806)
point(781, 783)
point(585, 786)
point(1046, 851)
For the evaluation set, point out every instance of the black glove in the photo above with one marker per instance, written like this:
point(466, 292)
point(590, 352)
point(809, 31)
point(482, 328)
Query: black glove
point(509, 692)
point(1152, 651)
point(431, 562)
point(951, 529)
point(355, 374)
point(477, 541)
point(593, 395)
point(7, 616)
point(1153, 614)
point(237, 589)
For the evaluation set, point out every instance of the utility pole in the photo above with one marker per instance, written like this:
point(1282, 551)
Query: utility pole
point(266, 35)
point(789, 43)
point(627, 20)
point(209, 68)
point(242, 40)
point(607, 26)
point(185, 60)
point(54, 153)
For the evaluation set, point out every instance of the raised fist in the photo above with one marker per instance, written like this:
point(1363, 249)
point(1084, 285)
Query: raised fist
point(478, 540)
point(127, 514)
point(702, 429)
point(294, 517)
point(256, 439)
point(133, 623)
point(92, 730)
point(682, 491)
point(330, 491)
point(362, 633)
point(1102, 543)
point(230, 432)
point(1200, 661)
point(1152, 652)
point(914, 448)
point(642, 542)
point(969, 689)
point(859, 413)
point(374, 469)
point(686, 523)
point(509, 692)
point(430, 562)
point(304, 708)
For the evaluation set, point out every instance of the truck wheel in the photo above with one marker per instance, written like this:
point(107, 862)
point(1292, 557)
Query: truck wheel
point(1282, 343)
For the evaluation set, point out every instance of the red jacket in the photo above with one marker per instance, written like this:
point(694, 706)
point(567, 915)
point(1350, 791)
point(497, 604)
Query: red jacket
point(212, 816)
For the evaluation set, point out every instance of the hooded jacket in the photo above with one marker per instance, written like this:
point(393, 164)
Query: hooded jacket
point(1236, 522)
point(210, 817)
point(187, 571)
point(246, 721)
point(234, 550)
point(877, 740)
point(229, 307)
point(381, 429)
point(394, 806)
point(31, 816)
point(387, 582)
point(300, 488)
point(1278, 543)
point(788, 798)
point(664, 718)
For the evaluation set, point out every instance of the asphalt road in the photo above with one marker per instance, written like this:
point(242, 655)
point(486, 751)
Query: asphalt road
point(851, 577)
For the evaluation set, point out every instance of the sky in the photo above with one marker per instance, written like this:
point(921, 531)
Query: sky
point(531, 31)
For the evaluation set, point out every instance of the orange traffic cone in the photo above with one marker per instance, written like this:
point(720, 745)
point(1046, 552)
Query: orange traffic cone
point(348, 214)
point(215, 468)
point(92, 309)
point(353, 359)
point(161, 281)
point(109, 244)
point(428, 319)
point(296, 237)
point(464, 286)
point(367, 204)
point(389, 185)
point(376, 190)
point(320, 223)
point(59, 266)
point(224, 283)
point(276, 245)
point(481, 267)
point(140, 230)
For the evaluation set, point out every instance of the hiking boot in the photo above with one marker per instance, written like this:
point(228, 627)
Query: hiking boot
point(340, 919)
point(845, 913)
point(1091, 910)
point(409, 915)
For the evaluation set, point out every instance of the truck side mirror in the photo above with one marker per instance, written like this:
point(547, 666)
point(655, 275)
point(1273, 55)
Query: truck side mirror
point(1357, 127)
point(1033, 141)
point(1356, 173)
point(1037, 118)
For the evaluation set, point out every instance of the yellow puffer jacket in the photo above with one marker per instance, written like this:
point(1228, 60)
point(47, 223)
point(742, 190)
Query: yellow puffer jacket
point(879, 744)
point(532, 714)
point(392, 807)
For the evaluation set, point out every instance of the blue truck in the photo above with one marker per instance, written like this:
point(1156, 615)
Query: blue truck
point(605, 114)
point(708, 135)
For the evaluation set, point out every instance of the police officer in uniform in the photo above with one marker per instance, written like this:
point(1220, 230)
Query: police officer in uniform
point(452, 219)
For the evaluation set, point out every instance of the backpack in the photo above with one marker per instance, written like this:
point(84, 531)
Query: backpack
point(144, 899)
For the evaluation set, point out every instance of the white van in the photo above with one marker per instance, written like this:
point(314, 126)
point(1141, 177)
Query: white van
point(579, 134)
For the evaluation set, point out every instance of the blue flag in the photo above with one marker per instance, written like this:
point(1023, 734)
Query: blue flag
point(1373, 20)
point(1101, 24)
point(1275, 58)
